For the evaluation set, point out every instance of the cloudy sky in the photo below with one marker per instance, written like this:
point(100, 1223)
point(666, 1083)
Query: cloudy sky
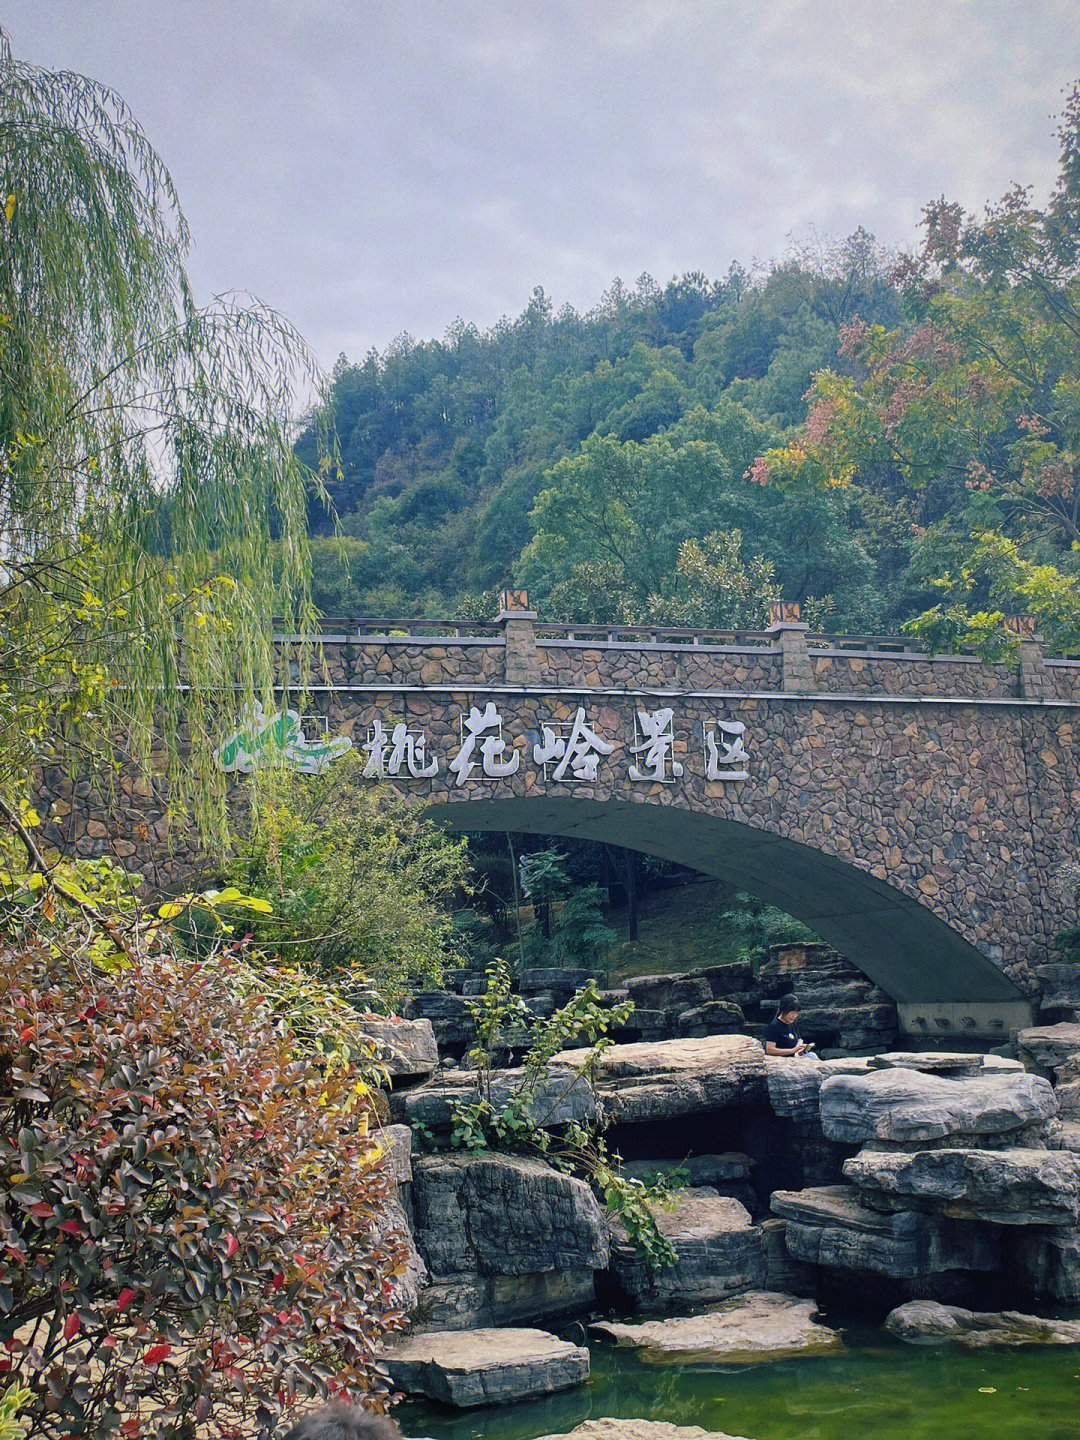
point(374, 166)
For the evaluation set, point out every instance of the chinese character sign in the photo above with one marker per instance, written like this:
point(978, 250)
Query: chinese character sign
point(570, 751)
point(488, 724)
point(580, 751)
point(387, 753)
point(725, 751)
point(655, 747)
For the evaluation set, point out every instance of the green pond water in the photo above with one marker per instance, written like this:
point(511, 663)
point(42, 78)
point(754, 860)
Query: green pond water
point(877, 1389)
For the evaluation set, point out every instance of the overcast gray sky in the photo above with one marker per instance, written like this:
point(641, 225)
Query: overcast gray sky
point(374, 166)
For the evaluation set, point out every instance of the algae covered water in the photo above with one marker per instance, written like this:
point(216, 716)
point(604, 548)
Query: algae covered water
point(877, 1389)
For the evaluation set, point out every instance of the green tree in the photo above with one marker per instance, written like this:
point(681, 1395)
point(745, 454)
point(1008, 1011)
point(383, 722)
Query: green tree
point(360, 887)
point(973, 409)
point(146, 456)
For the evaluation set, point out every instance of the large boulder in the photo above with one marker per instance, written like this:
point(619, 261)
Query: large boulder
point(668, 1078)
point(1002, 1187)
point(718, 1248)
point(715, 1017)
point(1060, 984)
point(925, 1322)
point(761, 1325)
point(827, 1225)
point(669, 992)
point(450, 1016)
point(485, 1367)
point(793, 1083)
point(910, 1106)
point(405, 1048)
point(558, 1096)
point(1048, 1046)
point(504, 1215)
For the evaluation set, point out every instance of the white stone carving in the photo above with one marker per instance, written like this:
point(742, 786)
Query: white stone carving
point(580, 751)
point(387, 753)
point(655, 746)
point(487, 723)
point(726, 757)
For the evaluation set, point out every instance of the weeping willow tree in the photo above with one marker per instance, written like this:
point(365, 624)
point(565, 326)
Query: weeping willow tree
point(146, 459)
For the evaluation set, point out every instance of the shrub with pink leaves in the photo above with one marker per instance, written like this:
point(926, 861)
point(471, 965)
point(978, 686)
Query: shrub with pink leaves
point(189, 1207)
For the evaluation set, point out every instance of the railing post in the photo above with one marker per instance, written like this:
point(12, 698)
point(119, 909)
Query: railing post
point(789, 634)
point(522, 663)
point(1034, 681)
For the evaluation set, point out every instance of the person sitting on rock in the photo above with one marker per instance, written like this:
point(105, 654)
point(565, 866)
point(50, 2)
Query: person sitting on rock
point(782, 1034)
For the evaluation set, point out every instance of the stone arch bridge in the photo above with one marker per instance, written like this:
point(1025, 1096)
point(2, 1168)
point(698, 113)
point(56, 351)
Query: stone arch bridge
point(910, 809)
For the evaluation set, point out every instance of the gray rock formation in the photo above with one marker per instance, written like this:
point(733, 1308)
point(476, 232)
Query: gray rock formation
point(674, 993)
point(1060, 986)
point(1050, 1260)
point(560, 1095)
point(827, 1225)
point(398, 1142)
point(925, 1322)
point(485, 1367)
point(676, 1077)
point(715, 1170)
point(718, 1247)
point(471, 1300)
point(715, 1017)
point(761, 1325)
point(504, 1215)
point(956, 1064)
point(909, 1106)
point(1003, 1187)
point(451, 1019)
point(793, 1083)
point(406, 1048)
point(1047, 1046)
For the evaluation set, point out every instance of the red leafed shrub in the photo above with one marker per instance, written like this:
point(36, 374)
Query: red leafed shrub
point(189, 1213)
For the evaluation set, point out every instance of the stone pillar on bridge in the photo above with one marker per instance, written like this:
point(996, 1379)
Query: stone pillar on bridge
point(522, 663)
point(789, 634)
point(1034, 681)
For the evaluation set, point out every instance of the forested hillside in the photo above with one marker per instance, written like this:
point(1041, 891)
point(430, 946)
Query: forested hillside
point(876, 436)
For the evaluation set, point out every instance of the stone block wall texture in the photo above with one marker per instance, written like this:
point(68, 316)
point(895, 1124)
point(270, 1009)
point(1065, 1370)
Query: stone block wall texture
point(932, 774)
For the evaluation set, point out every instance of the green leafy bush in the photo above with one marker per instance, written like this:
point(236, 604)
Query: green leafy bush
point(190, 1208)
point(359, 885)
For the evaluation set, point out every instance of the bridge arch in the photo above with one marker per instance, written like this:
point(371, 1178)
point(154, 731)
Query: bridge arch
point(933, 973)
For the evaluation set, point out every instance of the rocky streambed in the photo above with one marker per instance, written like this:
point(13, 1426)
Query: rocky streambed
point(941, 1189)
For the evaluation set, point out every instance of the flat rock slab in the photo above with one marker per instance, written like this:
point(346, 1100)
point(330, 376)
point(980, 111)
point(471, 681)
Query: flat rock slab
point(794, 1083)
point(657, 1080)
point(618, 1429)
point(943, 1062)
point(485, 1367)
point(827, 1225)
point(406, 1048)
point(925, 1322)
point(1048, 1045)
point(1002, 1187)
point(909, 1106)
point(761, 1325)
point(719, 1250)
point(558, 1097)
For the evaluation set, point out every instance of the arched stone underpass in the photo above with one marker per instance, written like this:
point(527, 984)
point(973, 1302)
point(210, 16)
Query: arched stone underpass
point(936, 976)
